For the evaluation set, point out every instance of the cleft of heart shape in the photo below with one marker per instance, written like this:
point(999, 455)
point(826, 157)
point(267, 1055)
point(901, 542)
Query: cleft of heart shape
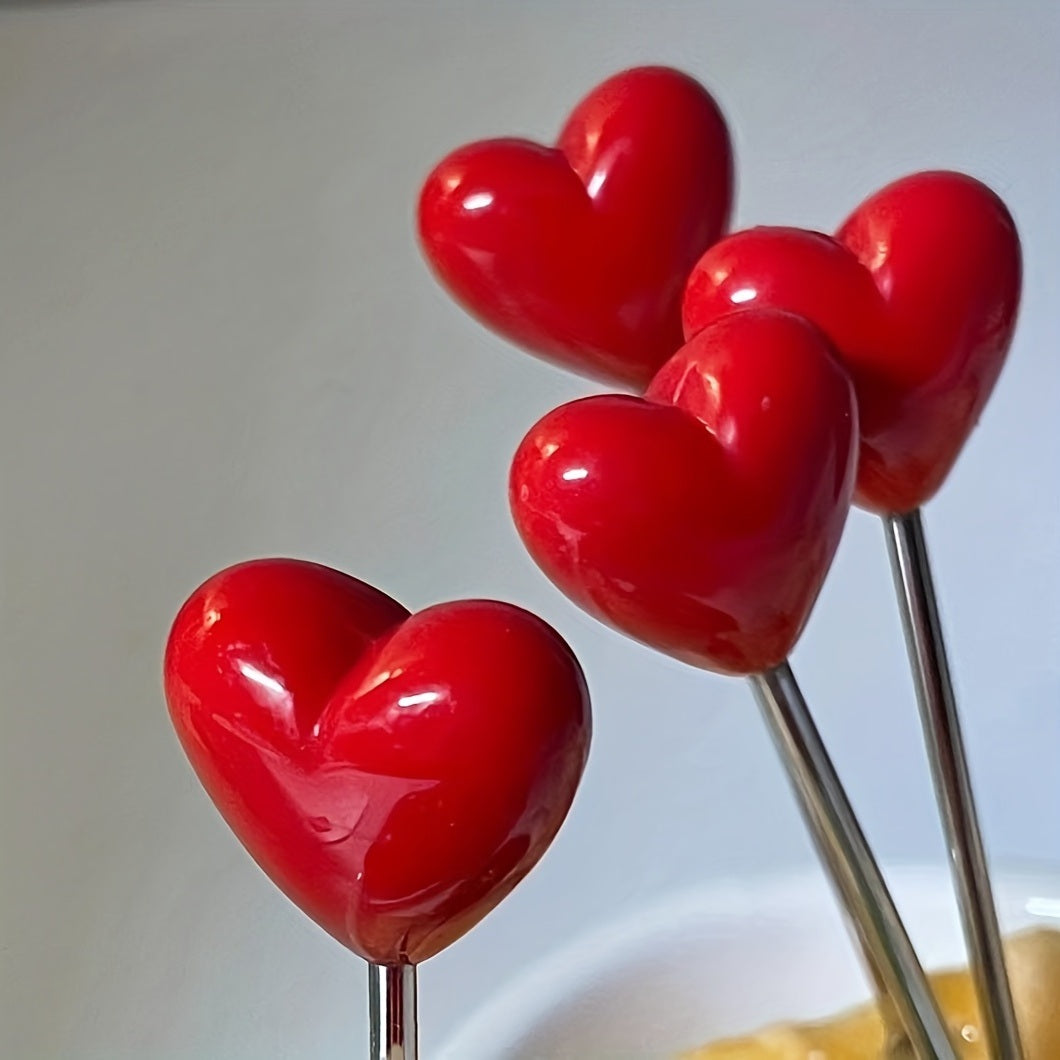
point(579, 252)
point(702, 518)
point(919, 292)
point(395, 775)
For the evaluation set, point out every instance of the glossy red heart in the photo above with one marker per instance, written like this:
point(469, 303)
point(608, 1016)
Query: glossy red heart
point(702, 518)
point(579, 252)
point(396, 776)
point(919, 292)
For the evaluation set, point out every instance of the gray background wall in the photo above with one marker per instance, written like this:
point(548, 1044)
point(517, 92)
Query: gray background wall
point(217, 340)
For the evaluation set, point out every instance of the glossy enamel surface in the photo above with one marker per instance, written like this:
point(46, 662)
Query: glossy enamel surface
point(919, 292)
point(579, 252)
point(395, 775)
point(701, 519)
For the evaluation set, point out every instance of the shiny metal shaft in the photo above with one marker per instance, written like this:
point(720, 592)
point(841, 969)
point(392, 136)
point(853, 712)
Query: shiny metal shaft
point(393, 1029)
point(953, 787)
point(841, 845)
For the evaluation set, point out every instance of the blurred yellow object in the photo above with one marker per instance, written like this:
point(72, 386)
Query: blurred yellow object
point(1033, 959)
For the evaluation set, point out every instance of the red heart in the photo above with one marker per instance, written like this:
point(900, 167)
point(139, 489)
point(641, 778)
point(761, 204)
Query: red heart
point(579, 252)
point(919, 293)
point(703, 518)
point(396, 776)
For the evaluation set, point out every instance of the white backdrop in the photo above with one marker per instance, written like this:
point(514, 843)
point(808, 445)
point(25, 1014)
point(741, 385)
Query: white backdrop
point(217, 340)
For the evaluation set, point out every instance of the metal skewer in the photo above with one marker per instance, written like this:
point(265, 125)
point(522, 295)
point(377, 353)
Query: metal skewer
point(907, 1002)
point(953, 787)
point(393, 1028)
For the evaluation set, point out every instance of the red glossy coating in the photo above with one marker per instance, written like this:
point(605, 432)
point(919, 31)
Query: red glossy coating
point(396, 776)
point(919, 292)
point(579, 252)
point(703, 518)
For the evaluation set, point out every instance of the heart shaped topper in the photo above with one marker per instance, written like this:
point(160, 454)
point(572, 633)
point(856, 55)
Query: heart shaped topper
point(396, 776)
point(919, 292)
point(579, 252)
point(703, 518)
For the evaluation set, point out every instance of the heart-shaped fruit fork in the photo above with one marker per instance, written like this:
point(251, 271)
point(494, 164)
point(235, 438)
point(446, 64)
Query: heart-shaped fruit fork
point(919, 293)
point(702, 520)
point(395, 775)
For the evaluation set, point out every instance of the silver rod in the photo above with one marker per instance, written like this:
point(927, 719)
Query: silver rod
point(856, 877)
point(953, 787)
point(392, 1017)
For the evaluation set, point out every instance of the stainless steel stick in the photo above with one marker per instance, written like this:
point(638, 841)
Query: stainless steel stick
point(393, 1028)
point(849, 861)
point(953, 787)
